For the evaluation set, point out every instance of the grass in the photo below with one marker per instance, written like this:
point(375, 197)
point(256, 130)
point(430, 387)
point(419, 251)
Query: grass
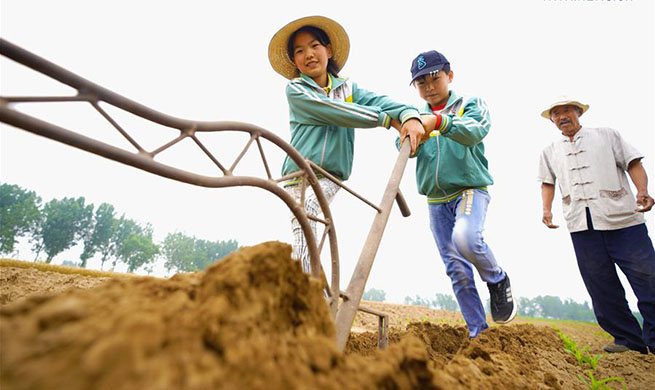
point(574, 323)
point(62, 269)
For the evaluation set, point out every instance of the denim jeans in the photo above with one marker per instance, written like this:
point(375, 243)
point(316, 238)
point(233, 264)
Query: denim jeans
point(457, 229)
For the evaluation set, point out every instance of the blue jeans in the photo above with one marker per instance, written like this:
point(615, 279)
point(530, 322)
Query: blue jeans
point(457, 229)
point(598, 253)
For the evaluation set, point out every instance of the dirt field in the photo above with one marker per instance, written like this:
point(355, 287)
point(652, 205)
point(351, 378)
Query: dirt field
point(255, 321)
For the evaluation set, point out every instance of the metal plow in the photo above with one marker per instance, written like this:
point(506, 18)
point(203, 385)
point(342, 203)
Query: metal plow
point(343, 303)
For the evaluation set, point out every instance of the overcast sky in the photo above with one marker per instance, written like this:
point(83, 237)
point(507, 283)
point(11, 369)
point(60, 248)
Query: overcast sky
point(208, 61)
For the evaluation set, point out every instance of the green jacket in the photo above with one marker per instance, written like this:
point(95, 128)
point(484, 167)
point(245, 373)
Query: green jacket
point(322, 122)
point(453, 160)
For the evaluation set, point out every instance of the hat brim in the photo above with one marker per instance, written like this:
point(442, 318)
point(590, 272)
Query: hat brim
point(583, 107)
point(277, 49)
point(425, 71)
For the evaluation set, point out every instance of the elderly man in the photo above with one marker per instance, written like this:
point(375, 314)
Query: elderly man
point(607, 227)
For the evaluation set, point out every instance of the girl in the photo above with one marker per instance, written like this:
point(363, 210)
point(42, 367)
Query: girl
point(324, 108)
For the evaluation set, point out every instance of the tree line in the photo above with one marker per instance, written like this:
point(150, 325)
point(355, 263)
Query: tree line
point(440, 301)
point(61, 224)
point(548, 306)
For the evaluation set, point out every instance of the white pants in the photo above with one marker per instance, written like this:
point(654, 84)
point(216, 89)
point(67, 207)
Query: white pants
point(312, 207)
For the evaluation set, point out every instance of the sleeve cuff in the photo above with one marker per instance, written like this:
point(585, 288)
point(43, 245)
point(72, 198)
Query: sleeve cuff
point(444, 123)
point(409, 114)
point(631, 159)
point(384, 120)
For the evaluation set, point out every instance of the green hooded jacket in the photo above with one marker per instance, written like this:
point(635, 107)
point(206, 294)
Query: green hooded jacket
point(453, 160)
point(322, 121)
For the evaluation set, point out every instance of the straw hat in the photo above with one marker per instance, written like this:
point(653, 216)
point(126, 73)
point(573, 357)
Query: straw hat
point(564, 101)
point(277, 48)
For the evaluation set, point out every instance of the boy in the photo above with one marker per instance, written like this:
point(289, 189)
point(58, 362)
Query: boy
point(451, 170)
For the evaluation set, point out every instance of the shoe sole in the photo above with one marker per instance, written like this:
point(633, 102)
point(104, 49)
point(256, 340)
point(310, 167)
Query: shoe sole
point(511, 316)
point(611, 350)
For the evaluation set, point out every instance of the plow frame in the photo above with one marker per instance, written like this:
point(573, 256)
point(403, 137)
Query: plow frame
point(343, 304)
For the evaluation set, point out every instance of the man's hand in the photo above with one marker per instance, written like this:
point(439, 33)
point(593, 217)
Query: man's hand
point(547, 219)
point(414, 129)
point(644, 201)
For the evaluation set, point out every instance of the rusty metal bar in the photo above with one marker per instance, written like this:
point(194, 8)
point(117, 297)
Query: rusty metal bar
point(340, 184)
point(402, 204)
point(320, 245)
point(117, 126)
point(243, 152)
point(355, 290)
point(261, 153)
point(167, 145)
point(48, 99)
point(383, 325)
point(290, 176)
point(317, 219)
point(208, 153)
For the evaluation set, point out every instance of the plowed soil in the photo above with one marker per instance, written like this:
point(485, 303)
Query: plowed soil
point(255, 321)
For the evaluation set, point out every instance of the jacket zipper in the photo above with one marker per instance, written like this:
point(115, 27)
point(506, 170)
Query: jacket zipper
point(446, 110)
point(436, 173)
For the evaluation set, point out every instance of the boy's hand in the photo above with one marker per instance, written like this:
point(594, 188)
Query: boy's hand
point(395, 124)
point(429, 122)
point(414, 129)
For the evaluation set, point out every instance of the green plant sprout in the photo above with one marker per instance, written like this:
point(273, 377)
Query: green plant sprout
point(592, 360)
point(583, 357)
point(600, 384)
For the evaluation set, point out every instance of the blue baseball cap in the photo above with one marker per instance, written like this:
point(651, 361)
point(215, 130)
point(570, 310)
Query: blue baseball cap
point(428, 62)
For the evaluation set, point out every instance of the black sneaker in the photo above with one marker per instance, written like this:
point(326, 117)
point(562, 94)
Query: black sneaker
point(615, 348)
point(503, 308)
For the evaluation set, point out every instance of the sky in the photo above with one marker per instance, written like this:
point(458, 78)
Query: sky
point(207, 61)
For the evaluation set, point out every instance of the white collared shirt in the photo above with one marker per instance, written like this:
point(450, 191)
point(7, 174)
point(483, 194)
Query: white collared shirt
point(591, 171)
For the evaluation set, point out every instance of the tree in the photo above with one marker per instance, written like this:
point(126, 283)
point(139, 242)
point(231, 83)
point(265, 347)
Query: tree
point(444, 302)
point(214, 251)
point(121, 230)
point(417, 301)
point(137, 249)
point(99, 234)
point(19, 213)
point(528, 308)
point(187, 254)
point(179, 251)
point(374, 294)
point(63, 222)
point(551, 307)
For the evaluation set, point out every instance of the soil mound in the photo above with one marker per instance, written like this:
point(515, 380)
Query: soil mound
point(254, 321)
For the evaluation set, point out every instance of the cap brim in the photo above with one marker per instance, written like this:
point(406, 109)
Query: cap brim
point(278, 55)
point(425, 71)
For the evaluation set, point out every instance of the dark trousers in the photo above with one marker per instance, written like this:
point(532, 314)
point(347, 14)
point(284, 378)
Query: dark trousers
point(598, 251)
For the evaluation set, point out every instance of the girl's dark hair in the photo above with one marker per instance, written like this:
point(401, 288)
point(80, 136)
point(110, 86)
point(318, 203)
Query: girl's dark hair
point(321, 37)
